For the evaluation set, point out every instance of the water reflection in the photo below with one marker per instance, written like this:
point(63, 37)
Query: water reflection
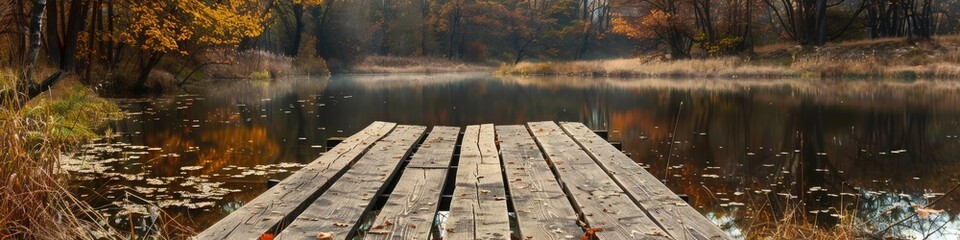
point(875, 149)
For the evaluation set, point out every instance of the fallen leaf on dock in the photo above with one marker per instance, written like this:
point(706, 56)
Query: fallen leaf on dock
point(325, 236)
point(591, 233)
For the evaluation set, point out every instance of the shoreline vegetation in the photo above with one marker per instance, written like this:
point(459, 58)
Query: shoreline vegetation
point(37, 199)
point(889, 58)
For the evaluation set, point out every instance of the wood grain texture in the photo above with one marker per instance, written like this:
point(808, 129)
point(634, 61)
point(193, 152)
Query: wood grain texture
point(542, 208)
point(288, 198)
point(411, 209)
point(339, 210)
point(478, 209)
point(676, 216)
point(599, 200)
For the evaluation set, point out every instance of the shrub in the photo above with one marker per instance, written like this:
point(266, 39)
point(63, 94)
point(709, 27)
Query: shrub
point(307, 61)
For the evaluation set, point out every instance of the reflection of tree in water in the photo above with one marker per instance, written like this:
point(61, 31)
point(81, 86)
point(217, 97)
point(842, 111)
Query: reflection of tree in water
point(792, 157)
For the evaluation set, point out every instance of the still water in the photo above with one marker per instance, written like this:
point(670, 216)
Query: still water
point(744, 151)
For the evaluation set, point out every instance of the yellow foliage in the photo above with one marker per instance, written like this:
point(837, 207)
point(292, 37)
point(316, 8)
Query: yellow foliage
point(164, 26)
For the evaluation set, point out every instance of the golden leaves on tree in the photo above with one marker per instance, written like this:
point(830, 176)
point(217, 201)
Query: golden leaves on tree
point(167, 26)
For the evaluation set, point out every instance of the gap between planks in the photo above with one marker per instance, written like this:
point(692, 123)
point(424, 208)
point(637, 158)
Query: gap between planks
point(339, 210)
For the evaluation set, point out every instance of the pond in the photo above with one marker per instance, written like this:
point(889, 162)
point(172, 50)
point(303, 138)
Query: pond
point(744, 151)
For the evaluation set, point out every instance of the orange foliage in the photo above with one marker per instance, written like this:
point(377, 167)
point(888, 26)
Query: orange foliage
point(651, 25)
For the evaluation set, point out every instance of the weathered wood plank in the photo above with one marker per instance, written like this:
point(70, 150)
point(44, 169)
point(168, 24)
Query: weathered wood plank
point(412, 207)
point(595, 195)
point(673, 214)
point(338, 211)
point(479, 208)
point(288, 198)
point(543, 211)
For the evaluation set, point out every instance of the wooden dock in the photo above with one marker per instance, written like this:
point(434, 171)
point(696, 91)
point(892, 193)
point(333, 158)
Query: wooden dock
point(540, 181)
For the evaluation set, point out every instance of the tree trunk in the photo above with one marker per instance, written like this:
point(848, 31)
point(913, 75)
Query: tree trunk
point(54, 46)
point(26, 88)
point(145, 71)
point(424, 14)
point(36, 23)
point(821, 22)
point(298, 10)
point(78, 16)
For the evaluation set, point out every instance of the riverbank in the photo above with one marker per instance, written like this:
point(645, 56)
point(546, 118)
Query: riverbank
point(890, 58)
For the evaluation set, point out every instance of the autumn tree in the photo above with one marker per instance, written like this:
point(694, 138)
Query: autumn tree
point(529, 24)
point(661, 21)
point(155, 29)
point(723, 27)
point(713, 26)
point(594, 19)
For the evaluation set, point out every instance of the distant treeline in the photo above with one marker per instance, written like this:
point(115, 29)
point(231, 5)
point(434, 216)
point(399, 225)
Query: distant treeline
point(125, 43)
point(511, 30)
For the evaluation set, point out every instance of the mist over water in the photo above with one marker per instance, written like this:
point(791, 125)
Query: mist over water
point(744, 151)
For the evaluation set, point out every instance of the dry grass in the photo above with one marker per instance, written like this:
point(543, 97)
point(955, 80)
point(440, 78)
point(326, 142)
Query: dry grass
point(387, 64)
point(888, 58)
point(637, 67)
point(794, 225)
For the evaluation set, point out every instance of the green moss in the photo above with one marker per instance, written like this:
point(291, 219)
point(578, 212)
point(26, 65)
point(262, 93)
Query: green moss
point(73, 117)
